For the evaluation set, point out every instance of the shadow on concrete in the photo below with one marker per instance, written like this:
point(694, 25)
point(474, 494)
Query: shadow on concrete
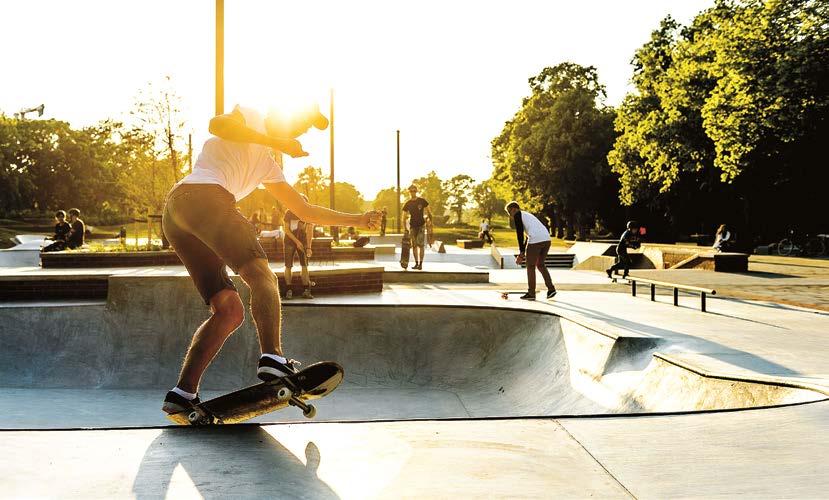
point(239, 461)
point(743, 359)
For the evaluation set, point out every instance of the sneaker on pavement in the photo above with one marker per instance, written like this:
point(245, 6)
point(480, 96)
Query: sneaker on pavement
point(528, 296)
point(289, 294)
point(609, 274)
point(174, 403)
point(307, 294)
point(271, 369)
point(551, 293)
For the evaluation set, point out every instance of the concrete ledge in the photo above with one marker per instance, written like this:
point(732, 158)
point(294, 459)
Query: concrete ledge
point(383, 248)
point(465, 244)
point(472, 276)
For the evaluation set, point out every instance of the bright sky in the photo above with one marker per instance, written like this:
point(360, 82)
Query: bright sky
point(448, 74)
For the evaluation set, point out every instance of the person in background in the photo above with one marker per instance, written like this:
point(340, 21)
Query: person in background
point(534, 252)
point(276, 218)
point(484, 233)
point(62, 229)
point(256, 220)
point(383, 221)
point(298, 238)
point(722, 241)
point(352, 233)
point(77, 233)
point(629, 239)
point(418, 211)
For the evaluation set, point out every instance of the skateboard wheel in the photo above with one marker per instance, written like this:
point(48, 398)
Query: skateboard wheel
point(310, 412)
point(284, 393)
point(193, 417)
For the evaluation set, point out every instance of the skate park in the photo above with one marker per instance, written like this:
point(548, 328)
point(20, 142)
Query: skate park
point(590, 390)
point(658, 164)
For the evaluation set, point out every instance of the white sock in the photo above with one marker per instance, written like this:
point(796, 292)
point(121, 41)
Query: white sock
point(276, 357)
point(189, 396)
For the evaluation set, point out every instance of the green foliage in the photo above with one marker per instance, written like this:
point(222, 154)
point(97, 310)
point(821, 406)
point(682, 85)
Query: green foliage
point(552, 154)
point(346, 198)
point(728, 117)
point(486, 200)
point(458, 191)
point(312, 184)
point(431, 188)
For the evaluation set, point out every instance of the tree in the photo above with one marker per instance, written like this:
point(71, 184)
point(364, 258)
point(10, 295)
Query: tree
point(459, 194)
point(314, 185)
point(387, 198)
point(552, 154)
point(158, 111)
point(486, 200)
point(431, 188)
point(346, 197)
point(727, 115)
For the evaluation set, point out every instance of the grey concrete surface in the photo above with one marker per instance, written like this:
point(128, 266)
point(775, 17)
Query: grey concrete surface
point(104, 364)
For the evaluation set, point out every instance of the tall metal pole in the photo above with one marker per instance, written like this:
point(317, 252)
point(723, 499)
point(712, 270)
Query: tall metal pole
point(220, 57)
point(331, 186)
point(398, 182)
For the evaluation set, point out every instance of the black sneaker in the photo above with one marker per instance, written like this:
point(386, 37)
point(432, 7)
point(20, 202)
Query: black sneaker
point(609, 274)
point(551, 293)
point(271, 369)
point(528, 296)
point(175, 402)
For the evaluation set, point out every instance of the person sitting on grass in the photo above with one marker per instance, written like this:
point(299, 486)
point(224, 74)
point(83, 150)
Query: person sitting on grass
point(77, 232)
point(298, 238)
point(62, 229)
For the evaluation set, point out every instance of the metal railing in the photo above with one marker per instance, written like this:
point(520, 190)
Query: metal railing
point(675, 286)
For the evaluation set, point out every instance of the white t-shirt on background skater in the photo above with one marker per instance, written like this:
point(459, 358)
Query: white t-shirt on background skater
point(236, 166)
point(536, 231)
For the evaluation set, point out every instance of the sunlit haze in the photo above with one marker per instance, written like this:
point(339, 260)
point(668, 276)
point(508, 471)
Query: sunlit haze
point(447, 74)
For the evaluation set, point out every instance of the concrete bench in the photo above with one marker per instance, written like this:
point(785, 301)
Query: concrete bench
point(730, 262)
point(383, 249)
point(467, 244)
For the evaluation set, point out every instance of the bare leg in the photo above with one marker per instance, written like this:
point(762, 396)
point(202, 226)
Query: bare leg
point(306, 277)
point(227, 314)
point(265, 306)
point(289, 277)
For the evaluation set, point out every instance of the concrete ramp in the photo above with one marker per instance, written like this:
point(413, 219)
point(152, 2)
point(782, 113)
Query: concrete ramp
point(109, 365)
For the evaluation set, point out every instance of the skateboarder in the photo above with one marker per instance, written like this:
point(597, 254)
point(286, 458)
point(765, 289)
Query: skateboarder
point(417, 211)
point(629, 239)
point(208, 232)
point(535, 251)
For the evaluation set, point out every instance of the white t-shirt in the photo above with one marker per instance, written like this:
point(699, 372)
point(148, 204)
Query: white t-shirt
point(238, 167)
point(536, 231)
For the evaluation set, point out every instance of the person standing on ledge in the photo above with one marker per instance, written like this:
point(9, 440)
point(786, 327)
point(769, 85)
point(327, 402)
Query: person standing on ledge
point(415, 209)
point(208, 232)
point(534, 254)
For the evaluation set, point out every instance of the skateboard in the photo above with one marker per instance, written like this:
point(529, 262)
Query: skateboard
point(314, 382)
point(505, 294)
point(405, 249)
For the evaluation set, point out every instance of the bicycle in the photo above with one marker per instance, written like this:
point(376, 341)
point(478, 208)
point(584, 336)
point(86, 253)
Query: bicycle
point(811, 246)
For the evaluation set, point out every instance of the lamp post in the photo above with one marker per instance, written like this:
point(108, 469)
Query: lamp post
point(398, 182)
point(220, 57)
point(335, 233)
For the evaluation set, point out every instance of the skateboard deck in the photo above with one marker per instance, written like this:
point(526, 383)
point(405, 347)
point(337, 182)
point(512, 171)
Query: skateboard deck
point(505, 294)
point(405, 249)
point(314, 382)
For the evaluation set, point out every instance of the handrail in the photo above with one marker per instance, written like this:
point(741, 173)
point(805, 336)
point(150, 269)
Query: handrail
point(675, 286)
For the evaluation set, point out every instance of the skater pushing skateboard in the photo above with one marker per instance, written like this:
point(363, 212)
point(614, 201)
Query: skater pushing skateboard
point(208, 232)
point(534, 251)
point(629, 239)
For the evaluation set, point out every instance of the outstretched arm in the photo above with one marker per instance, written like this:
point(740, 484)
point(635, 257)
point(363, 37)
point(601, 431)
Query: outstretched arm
point(321, 216)
point(232, 127)
point(519, 231)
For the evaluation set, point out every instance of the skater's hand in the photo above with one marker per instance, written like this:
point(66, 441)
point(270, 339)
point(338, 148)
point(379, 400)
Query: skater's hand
point(290, 147)
point(371, 219)
point(520, 259)
point(309, 253)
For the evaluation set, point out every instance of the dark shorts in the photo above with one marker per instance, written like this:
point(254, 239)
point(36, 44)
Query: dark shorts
point(290, 249)
point(208, 232)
